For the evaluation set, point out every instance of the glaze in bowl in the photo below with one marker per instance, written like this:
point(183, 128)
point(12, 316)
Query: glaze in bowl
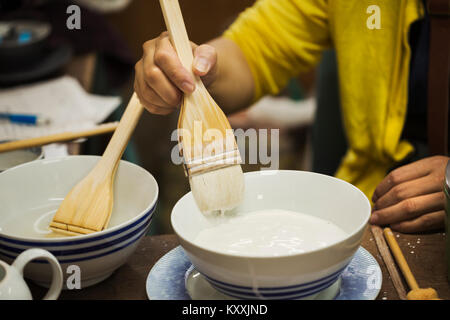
point(293, 276)
point(31, 193)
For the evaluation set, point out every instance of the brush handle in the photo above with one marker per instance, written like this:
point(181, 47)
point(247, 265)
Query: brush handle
point(121, 136)
point(401, 261)
point(177, 31)
point(199, 112)
point(178, 34)
point(59, 137)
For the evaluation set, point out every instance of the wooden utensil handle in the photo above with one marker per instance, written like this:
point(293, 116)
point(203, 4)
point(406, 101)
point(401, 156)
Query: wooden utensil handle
point(177, 31)
point(401, 261)
point(59, 137)
point(388, 261)
point(121, 136)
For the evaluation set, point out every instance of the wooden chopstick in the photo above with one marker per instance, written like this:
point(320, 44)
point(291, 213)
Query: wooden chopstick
point(389, 261)
point(59, 137)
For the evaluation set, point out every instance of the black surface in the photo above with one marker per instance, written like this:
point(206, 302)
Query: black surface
point(53, 60)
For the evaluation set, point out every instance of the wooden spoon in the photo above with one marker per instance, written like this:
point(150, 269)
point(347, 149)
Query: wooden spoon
point(416, 293)
point(87, 207)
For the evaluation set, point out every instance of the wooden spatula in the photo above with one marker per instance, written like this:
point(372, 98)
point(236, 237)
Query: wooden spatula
point(212, 159)
point(87, 207)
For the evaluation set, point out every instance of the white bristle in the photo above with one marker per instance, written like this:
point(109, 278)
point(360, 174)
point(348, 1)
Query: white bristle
point(221, 189)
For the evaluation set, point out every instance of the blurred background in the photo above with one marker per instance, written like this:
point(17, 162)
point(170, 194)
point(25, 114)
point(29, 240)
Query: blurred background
point(101, 55)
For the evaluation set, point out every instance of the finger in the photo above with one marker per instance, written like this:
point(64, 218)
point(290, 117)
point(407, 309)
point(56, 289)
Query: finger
point(157, 80)
point(148, 104)
point(138, 79)
point(410, 189)
point(405, 173)
point(148, 49)
point(153, 108)
point(205, 57)
point(427, 222)
point(148, 94)
point(158, 110)
point(409, 209)
point(167, 60)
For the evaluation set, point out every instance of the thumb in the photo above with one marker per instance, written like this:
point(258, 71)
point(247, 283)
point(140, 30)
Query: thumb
point(205, 57)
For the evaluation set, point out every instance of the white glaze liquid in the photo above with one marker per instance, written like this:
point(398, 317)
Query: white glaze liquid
point(270, 233)
point(34, 222)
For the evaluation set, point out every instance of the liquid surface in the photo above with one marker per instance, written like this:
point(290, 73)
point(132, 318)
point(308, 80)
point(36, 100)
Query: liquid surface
point(270, 233)
point(34, 222)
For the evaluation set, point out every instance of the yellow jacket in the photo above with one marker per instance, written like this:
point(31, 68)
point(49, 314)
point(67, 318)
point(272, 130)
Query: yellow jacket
point(282, 38)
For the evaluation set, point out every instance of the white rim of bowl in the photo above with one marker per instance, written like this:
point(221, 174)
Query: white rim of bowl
point(94, 234)
point(272, 172)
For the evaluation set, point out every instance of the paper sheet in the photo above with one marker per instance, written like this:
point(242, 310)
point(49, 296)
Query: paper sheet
point(61, 100)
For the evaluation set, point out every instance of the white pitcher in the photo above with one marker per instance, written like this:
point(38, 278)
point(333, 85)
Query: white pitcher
point(12, 284)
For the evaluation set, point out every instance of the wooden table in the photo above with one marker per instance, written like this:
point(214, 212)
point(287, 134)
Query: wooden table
point(425, 254)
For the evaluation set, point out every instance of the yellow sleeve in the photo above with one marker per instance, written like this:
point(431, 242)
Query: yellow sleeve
point(280, 39)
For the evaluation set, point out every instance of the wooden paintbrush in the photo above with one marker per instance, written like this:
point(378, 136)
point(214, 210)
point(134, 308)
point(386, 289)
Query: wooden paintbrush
point(206, 140)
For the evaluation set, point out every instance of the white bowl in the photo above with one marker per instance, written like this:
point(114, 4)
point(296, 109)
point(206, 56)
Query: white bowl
point(14, 158)
point(282, 277)
point(31, 193)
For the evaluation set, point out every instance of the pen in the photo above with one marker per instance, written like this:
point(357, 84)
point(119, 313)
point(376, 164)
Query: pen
point(31, 119)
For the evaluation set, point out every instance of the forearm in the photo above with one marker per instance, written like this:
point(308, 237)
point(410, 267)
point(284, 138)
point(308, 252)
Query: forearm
point(233, 85)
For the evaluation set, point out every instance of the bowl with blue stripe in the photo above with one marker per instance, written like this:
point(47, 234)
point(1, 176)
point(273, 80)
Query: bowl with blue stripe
point(285, 276)
point(31, 193)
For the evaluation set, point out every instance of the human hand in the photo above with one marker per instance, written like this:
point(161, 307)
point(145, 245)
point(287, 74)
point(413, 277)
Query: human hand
point(411, 198)
point(161, 79)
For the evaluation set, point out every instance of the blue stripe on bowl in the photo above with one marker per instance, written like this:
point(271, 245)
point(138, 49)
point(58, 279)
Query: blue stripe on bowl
point(81, 241)
point(290, 294)
point(271, 289)
point(59, 253)
point(139, 236)
point(285, 297)
point(287, 292)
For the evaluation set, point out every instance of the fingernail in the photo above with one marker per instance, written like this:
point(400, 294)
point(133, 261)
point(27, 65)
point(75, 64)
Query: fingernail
point(187, 86)
point(374, 218)
point(202, 65)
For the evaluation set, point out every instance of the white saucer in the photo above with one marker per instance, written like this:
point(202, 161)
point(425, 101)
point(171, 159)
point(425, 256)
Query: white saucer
point(174, 278)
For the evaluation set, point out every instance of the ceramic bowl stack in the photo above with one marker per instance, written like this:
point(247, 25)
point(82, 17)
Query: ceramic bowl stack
point(32, 192)
point(295, 276)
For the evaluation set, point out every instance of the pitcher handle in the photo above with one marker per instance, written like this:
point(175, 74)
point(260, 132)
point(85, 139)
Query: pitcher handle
point(57, 276)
